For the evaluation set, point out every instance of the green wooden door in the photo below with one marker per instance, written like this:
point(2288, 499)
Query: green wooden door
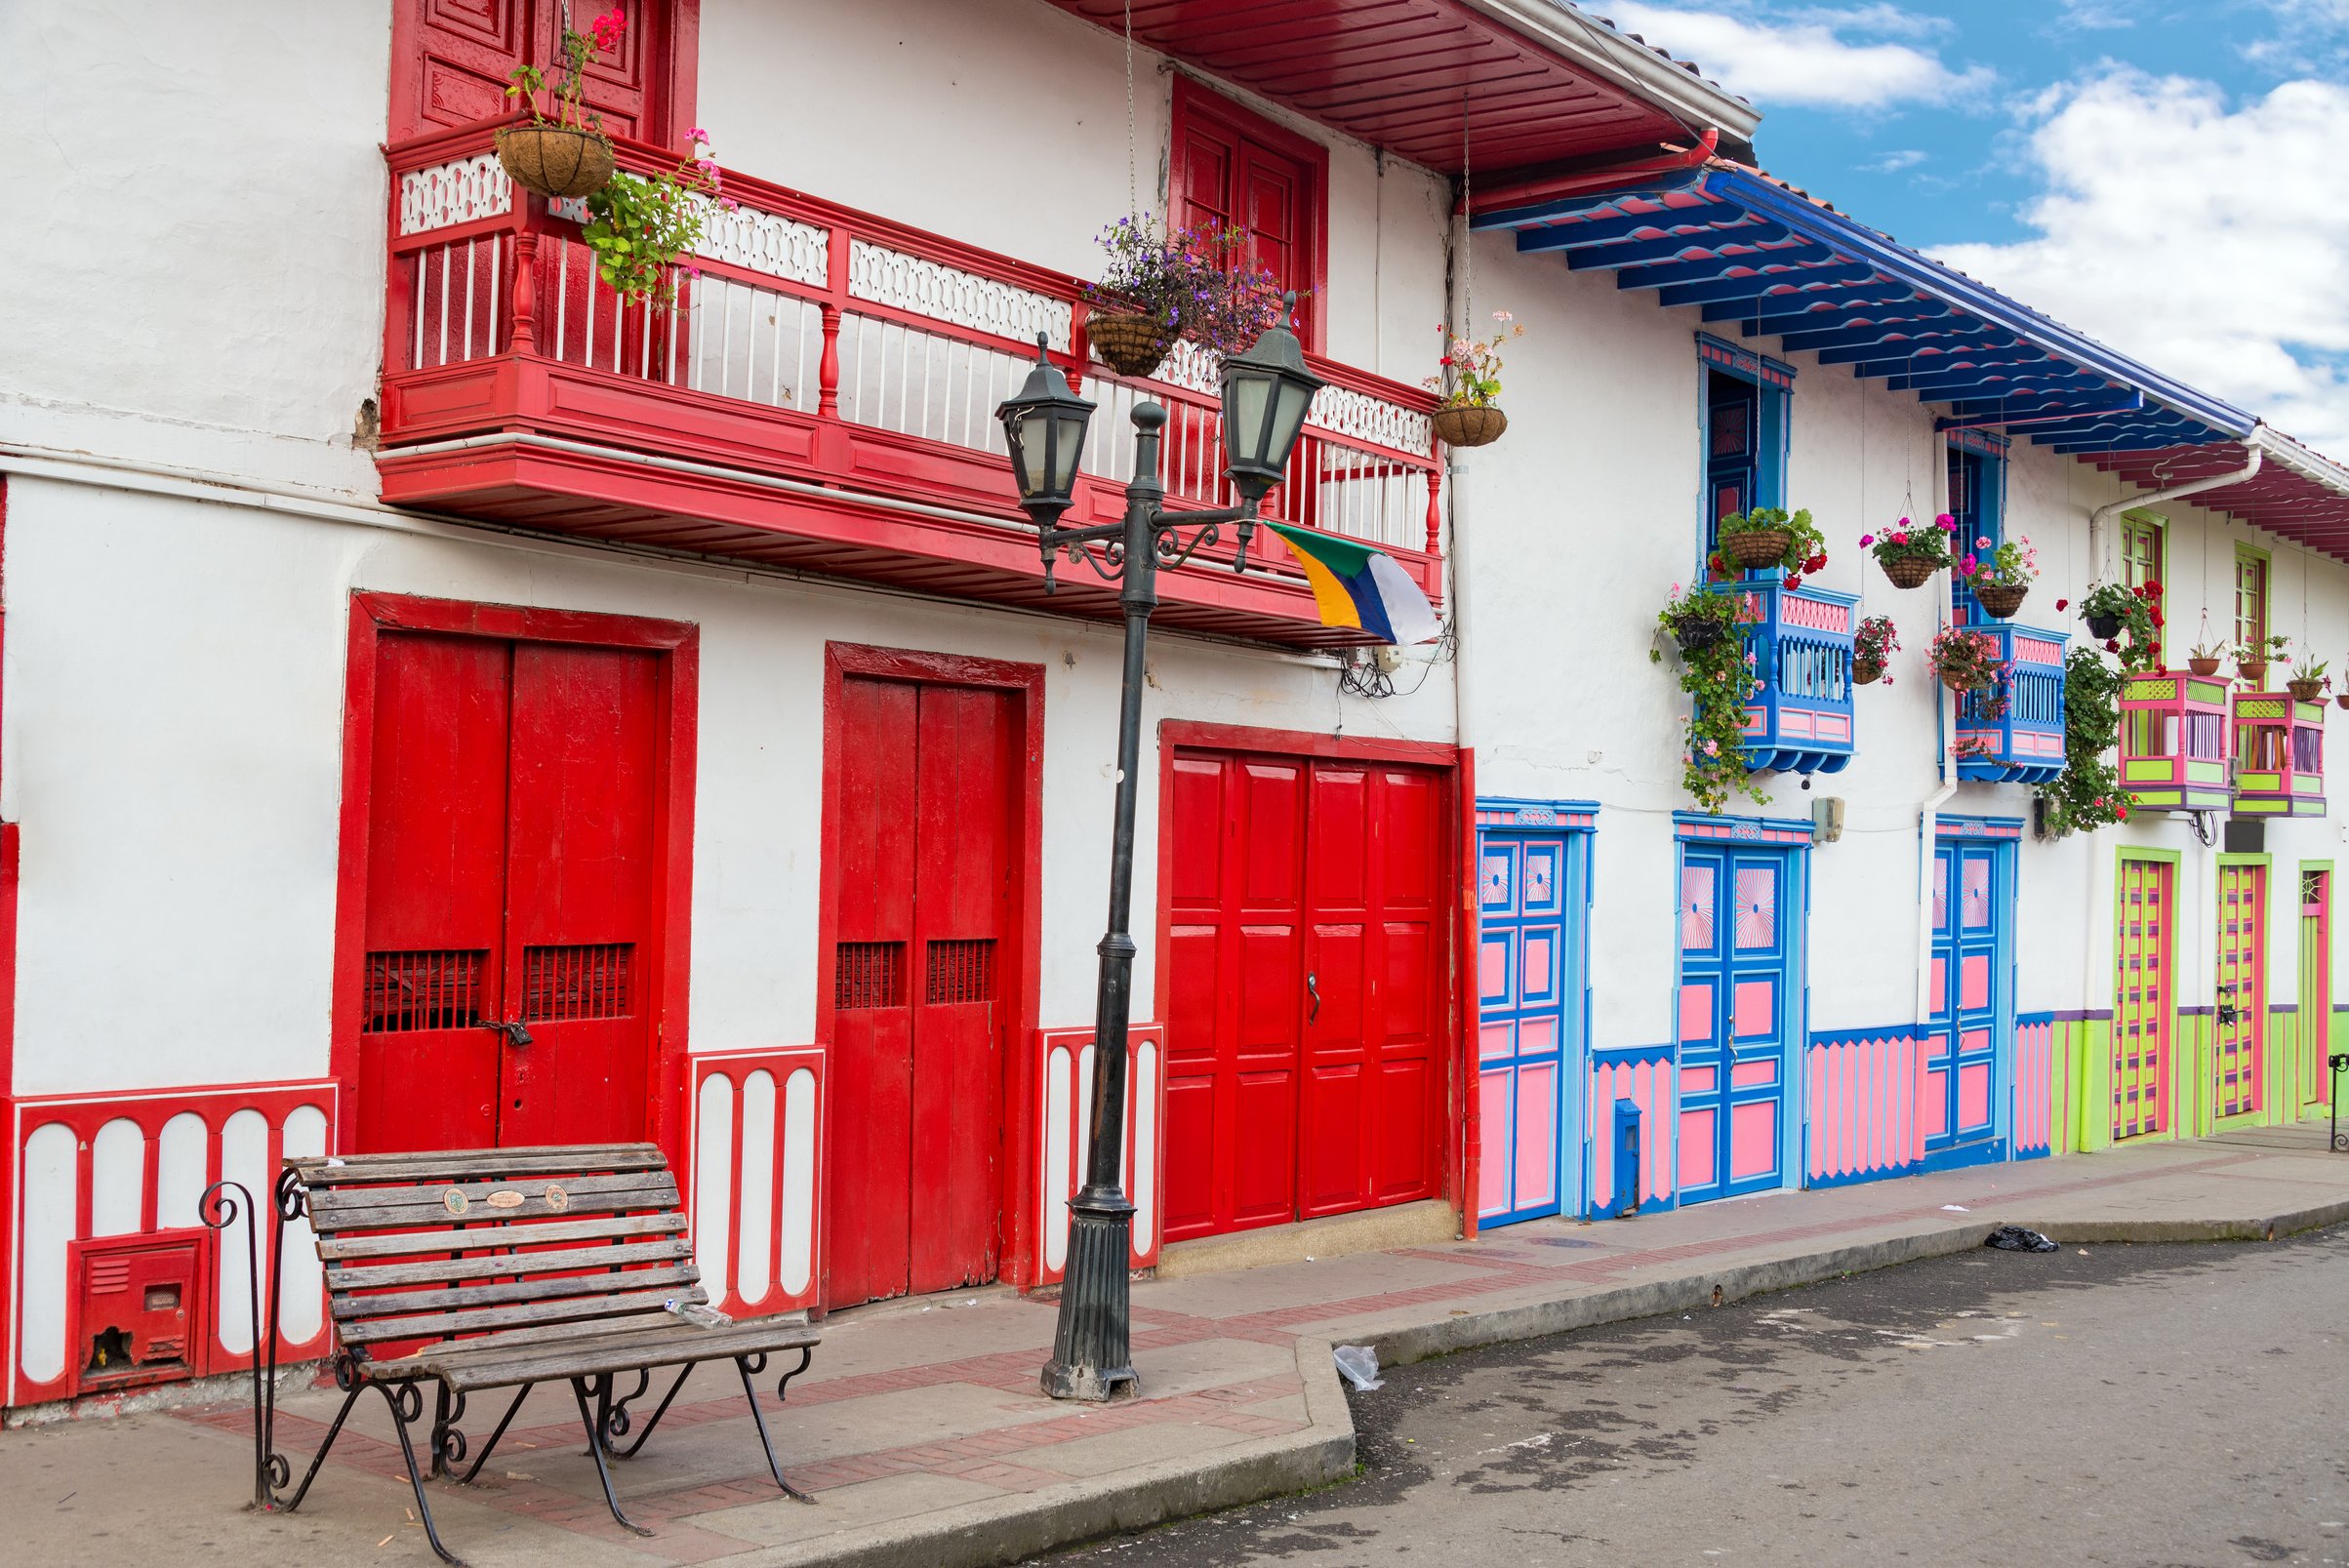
point(2143, 998)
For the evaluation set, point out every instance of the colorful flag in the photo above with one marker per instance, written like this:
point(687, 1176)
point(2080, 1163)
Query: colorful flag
point(1357, 586)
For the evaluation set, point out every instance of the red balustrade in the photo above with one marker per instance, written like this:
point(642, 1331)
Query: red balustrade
point(820, 393)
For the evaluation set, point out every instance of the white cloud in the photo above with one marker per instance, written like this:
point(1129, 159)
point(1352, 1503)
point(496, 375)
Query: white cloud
point(1893, 163)
point(1804, 57)
point(2203, 237)
point(2096, 16)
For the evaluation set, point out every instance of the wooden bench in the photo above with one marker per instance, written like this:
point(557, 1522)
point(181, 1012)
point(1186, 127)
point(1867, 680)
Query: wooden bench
point(509, 1267)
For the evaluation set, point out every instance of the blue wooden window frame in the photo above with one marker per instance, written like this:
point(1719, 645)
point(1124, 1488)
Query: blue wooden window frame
point(1771, 383)
point(1976, 469)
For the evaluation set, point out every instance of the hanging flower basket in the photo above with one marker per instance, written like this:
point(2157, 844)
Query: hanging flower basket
point(2000, 599)
point(2341, 698)
point(1909, 571)
point(1472, 426)
point(2253, 671)
point(2306, 691)
point(1756, 547)
point(1693, 632)
point(2205, 668)
point(1867, 672)
point(1128, 342)
point(2104, 629)
point(558, 161)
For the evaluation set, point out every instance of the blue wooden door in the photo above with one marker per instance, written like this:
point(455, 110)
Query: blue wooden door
point(1736, 997)
point(1961, 1067)
point(1524, 966)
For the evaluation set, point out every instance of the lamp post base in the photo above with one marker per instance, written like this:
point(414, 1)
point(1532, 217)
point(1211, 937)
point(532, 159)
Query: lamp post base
point(1092, 1348)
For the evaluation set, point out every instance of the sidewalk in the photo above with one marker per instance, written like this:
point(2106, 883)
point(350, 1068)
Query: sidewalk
point(922, 1433)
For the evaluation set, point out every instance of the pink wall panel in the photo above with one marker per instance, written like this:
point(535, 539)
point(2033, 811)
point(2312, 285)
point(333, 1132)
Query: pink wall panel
point(1750, 1074)
point(1492, 1173)
point(1696, 1011)
point(1537, 1134)
point(1973, 1097)
point(2033, 1088)
point(1753, 1139)
point(1658, 1105)
point(1862, 1100)
point(1496, 1039)
point(1493, 966)
point(1754, 1006)
point(1649, 1086)
point(1973, 981)
point(1696, 1148)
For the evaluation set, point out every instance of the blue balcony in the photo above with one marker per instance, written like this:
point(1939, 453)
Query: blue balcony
point(2024, 743)
point(1800, 640)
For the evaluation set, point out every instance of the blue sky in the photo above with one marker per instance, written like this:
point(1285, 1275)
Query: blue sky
point(2160, 174)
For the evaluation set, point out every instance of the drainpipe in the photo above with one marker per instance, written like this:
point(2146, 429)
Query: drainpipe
point(2253, 452)
point(1945, 723)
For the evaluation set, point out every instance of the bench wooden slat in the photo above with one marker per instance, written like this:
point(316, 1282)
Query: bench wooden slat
point(469, 1321)
point(449, 1238)
point(387, 1208)
point(448, 1271)
point(329, 1171)
point(351, 1310)
point(667, 1344)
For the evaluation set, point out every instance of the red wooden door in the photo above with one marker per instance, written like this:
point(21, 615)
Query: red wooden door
point(509, 879)
point(1308, 952)
point(450, 59)
point(926, 818)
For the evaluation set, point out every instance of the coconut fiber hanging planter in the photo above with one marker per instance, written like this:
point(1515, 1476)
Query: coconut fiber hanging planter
point(1471, 425)
point(1127, 342)
point(560, 162)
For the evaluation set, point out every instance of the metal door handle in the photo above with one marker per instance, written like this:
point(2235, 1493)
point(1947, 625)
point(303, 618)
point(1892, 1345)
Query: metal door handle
point(513, 1030)
point(1311, 989)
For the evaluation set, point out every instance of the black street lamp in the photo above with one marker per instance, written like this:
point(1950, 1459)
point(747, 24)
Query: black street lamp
point(1267, 391)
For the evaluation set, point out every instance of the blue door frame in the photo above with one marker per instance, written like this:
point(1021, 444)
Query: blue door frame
point(1741, 1008)
point(1533, 890)
point(1966, 1100)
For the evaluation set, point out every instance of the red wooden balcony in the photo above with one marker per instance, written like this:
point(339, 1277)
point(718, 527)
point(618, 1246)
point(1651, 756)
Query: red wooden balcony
point(820, 397)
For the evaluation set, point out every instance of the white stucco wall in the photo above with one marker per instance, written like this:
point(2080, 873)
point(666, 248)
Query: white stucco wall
point(194, 273)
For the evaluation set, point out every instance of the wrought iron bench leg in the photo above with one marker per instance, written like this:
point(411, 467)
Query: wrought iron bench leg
point(600, 1384)
point(407, 1402)
point(349, 1399)
point(617, 1423)
point(453, 1446)
point(744, 1366)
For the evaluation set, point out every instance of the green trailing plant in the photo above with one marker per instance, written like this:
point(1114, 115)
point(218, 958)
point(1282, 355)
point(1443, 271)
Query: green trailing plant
point(2272, 650)
point(1805, 549)
point(639, 226)
point(1718, 672)
point(2087, 795)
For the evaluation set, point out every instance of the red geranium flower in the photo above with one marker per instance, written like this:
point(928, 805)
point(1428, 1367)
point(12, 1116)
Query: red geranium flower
point(2063, 604)
point(2112, 645)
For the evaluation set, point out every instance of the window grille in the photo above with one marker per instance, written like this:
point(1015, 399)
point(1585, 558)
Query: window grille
point(961, 972)
point(423, 991)
point(869, 974)
point(580, 981)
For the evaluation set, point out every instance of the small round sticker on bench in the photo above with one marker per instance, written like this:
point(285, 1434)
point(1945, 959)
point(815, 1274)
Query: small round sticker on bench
point(557, 1199)
point(506, 1198)
point(454, 1201)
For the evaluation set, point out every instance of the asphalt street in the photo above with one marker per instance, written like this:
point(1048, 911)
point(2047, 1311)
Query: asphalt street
point(2154, 1405)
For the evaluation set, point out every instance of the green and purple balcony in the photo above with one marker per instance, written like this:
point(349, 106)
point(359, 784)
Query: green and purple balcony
point(2279, 755)
point(2173, 743)
point(2016, 736)
point(1800, 641)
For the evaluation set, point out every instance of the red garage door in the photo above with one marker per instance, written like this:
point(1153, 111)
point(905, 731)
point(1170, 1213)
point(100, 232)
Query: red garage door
point(1309, 954)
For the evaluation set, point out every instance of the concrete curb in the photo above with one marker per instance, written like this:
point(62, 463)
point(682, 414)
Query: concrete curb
point(1007, 1529)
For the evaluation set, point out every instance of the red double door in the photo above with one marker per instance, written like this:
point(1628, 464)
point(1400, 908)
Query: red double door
point(450, 59)
point(511, 894)
point(924, 829)
point(1309, 951)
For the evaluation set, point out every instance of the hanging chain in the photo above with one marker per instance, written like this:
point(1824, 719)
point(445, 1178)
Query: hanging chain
point(1133, 184)
point(1468, 224)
